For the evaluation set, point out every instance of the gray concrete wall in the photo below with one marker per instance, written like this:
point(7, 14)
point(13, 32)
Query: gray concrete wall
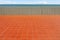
point(29, 10)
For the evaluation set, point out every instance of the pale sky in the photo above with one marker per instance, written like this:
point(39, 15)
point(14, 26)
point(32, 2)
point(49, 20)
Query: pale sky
point(29, 1)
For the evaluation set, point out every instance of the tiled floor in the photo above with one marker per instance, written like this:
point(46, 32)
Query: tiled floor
point(29, 27)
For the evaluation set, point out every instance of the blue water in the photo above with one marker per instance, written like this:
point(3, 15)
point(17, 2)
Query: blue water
point(29, 4)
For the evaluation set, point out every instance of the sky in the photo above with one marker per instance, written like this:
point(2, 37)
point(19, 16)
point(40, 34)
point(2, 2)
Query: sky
point(29, 1)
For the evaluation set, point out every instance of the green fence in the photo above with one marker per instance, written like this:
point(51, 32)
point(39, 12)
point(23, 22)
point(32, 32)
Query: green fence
point(29, 10)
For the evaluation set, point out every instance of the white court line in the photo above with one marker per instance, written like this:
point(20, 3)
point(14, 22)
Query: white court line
point(4, 31)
